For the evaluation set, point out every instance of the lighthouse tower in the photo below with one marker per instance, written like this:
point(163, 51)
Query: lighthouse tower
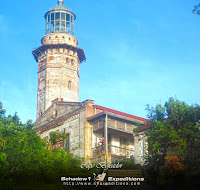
point(58, 59)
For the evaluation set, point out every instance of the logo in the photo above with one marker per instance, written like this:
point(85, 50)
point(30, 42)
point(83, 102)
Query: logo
point(101, 181)
point(100, 177)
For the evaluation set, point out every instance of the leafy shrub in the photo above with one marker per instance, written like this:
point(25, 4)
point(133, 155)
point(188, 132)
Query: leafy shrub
point(172, 166)
point(129, 164)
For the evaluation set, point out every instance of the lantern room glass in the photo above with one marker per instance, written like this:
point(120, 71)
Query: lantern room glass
point(59, 22)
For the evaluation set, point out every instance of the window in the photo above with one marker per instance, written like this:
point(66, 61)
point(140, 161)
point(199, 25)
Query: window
point(52, 26)
point(57, 16)
point(123, 146)
point(57, 24)
point(69, 85)
point(67, 143)
point(67, 60)
point(63, 24)
point(72, 62)
point(122, 142)
point(55, 113)
point(48, 18)
point(67, 17)
point(60, 22)
point(63, 16)
point(67, 27)
point(109, 138)
point(52, 16)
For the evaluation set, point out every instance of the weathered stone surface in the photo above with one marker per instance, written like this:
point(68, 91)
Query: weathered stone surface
point(58, 72)
point(85, 135)
point(59, 38)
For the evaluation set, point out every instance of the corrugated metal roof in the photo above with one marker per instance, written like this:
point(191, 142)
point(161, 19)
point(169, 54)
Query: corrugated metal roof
point(60, 8)
point(120, 113)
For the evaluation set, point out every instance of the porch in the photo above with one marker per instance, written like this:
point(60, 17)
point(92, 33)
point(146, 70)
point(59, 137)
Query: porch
point(112, 140)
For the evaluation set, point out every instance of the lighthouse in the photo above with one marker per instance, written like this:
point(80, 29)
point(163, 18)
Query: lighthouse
point(58, 59)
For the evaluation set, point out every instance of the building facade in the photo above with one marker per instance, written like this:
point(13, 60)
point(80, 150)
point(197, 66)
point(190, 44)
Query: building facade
point(94, 132)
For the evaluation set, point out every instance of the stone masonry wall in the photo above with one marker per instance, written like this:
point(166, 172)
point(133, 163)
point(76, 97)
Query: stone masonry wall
point(58, 72)
point(75, 127)
point(89, 111)
point(59, 38)
point(58, 77)
point(41, 93)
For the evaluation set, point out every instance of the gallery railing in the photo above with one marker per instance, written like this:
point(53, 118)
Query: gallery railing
point(114, 150)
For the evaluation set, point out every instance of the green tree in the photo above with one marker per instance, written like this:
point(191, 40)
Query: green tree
point(24, 155)
point(173, 125)
point(29, 124)
point(2, 111)
point(196, 9)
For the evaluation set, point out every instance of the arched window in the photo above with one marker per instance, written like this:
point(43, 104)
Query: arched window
point(69, 85)
point(67, 60)
point(72, 62)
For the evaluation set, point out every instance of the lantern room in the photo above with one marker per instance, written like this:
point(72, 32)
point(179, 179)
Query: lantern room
point(60, 19)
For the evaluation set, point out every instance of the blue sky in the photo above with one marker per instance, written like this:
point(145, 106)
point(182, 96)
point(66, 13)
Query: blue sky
point(138, 52)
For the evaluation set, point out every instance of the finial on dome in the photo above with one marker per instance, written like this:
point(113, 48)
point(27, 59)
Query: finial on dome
point(60, 2)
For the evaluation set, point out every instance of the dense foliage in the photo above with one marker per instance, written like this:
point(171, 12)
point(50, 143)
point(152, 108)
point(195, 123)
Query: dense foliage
point(24, 157)
point(174, 125)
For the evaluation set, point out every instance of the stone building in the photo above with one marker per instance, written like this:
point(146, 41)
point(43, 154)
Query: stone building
point(94, 132)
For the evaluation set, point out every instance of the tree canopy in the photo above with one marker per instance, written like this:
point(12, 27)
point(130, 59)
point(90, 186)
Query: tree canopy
point(196, 9)
point(176, 124)
point(24, 155)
